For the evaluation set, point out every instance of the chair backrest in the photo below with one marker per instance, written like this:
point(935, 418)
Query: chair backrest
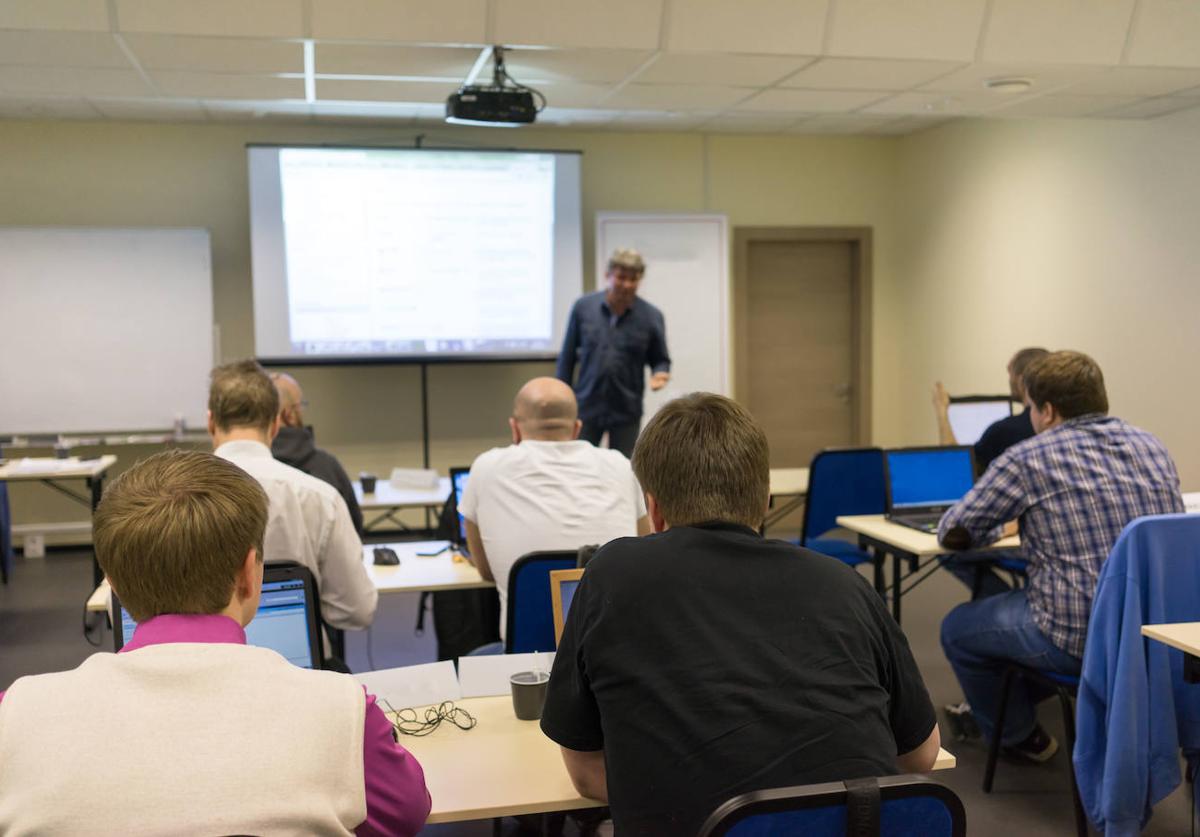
point(908, 805)
point(530, 621)
point(842, 481)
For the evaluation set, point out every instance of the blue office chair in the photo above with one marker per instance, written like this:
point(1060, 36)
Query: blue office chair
point(892, 806)
point(530, 622)
point(5, 534)
point(841, 482)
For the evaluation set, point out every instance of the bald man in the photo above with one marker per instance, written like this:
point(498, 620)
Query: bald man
point(547, 490)
point(295, 445)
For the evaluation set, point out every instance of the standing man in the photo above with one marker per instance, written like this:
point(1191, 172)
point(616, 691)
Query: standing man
point(613, 335)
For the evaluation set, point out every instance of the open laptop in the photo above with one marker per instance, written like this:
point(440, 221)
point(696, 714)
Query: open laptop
point(923, 482)
point(286, 620)
point(563, 584)
point(458, 484)
point(970, 415)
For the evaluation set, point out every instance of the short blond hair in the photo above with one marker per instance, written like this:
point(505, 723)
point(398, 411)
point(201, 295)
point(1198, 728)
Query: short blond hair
point(704, 458)
point(172, 532)
point(242, 395)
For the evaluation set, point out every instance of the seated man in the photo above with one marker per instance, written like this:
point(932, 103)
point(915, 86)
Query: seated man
point(309, 522)
point(1002, 434)
point(705, 661)
point(188, 729)
point(547, 490)
point(1073, 487)
point(294, 445)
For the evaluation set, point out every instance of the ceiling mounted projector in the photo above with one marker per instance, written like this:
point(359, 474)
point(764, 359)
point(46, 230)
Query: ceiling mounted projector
point(503, 103)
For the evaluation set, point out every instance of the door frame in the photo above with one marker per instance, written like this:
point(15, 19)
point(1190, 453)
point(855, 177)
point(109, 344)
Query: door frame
point(860, 241)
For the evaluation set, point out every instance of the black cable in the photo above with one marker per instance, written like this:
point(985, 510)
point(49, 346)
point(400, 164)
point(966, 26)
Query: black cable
point(406, 721)
point(87, 630)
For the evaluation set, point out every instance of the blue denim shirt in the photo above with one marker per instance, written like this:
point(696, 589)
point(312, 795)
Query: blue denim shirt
point(611, 353)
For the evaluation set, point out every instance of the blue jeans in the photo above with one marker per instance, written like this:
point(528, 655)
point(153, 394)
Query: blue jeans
point(980, 638)
point(965, 565)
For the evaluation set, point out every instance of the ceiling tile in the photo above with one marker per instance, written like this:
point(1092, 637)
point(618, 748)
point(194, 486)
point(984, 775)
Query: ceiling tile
point(839, 124)
point(568, 95)
point(366, 110)
point(910, 125)
point(460, 22)
point(925, 29)
point(751, 122)
point(77, 15)
point(63, 81)
point(919, 103)
point(658, 120)
point(868, 74)
point(719, 68)
point(1061, 106)
point(576, 116)
point(1166, 33)
point(788, 27)
point(152, 110)
point(259, 19)
point(531, 66)
point(226, 85)
point(1151, 108)
point(1045, 78)
point(242, 109)
point(61, 49)
point(221, 55)
point(812, 101)
point(1137, 81)
point(379, 60)
point(383, 91)
point(628, 24)
point(42, 107)
point(1057, 31)
point(675, 97)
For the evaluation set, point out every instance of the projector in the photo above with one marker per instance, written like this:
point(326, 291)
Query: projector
point(489, 106)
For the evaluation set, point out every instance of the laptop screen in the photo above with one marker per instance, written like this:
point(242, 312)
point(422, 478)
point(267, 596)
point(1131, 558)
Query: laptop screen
point(568, 589)
point(928, 477)
point(281, 623)
point(968, 419)
point(459, 479)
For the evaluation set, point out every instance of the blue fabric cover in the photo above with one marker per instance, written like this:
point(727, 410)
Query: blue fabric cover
point(841, 482)
point(1135, 711)
point(912, 817)
point(530, 613)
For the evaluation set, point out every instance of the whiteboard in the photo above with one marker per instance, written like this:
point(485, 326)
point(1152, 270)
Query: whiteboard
point(104, 330)
point(687, 277)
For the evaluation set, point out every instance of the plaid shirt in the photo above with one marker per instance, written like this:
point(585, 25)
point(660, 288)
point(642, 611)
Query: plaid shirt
point(1074, 488)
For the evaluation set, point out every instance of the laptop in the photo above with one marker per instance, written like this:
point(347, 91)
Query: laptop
point(458, 484)
point(970, 415)
point(563, 584)
point(286, 620)
point(923, 482)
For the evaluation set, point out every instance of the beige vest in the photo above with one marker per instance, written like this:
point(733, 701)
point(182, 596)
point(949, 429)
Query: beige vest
point(183, 738)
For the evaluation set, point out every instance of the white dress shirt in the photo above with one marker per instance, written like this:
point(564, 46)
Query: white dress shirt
point(308, 523)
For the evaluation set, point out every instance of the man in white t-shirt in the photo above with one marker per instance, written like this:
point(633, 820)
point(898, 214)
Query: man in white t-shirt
point(547, 490)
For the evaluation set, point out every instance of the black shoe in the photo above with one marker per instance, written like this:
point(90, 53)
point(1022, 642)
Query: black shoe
point(960, 722)
point(1038, 747)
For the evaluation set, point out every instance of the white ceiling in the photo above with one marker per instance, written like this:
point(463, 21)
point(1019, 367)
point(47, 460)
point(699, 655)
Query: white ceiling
point(790, 66)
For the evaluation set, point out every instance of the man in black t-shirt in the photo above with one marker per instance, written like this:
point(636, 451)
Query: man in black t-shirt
point(705, 661)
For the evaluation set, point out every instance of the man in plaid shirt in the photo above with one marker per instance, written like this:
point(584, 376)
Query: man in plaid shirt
point(1073, 487)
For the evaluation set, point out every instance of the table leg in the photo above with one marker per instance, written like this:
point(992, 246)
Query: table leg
point(96, 484)
point(896, 576)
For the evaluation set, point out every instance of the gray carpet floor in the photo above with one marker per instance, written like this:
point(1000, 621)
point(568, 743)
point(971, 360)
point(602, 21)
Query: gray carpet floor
point(41, 629)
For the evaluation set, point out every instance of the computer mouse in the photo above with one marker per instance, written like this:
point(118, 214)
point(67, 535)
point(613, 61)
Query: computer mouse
point(386, 556)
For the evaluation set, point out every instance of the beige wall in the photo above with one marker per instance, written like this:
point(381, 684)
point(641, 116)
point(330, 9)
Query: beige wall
point(1068, 234)
point(113, 174)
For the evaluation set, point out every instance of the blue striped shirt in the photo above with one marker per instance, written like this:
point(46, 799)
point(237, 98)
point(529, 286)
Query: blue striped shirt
point(1073, 488)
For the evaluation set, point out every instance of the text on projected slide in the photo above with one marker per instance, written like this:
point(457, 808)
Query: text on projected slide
point(430, 252)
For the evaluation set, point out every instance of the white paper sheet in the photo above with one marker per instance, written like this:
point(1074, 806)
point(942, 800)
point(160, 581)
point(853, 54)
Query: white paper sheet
point(412, 685)
point(487, 676)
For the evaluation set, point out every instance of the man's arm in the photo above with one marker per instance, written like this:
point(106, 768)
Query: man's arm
point(564, 370)
point(657, 356)
point(348, 596)
point(587, 772)
point(478, 556)
point(922, 758)
point(977, 519)
point(941, 409)
point(397, 799)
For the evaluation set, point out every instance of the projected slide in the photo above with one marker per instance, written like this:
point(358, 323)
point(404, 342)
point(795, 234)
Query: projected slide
point(387, 252)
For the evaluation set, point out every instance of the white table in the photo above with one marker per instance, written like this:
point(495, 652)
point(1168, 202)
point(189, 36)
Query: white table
point(419, 573)
point(49, 471)
point(789, 485)
point(1182, 635)
point(389, 500)
point(881, 537)
point(503, 767)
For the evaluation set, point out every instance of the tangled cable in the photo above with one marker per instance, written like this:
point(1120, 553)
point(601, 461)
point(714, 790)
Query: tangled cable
point(407, 722)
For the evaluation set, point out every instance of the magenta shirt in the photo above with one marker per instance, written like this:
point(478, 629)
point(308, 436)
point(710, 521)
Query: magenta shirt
point(397, 800)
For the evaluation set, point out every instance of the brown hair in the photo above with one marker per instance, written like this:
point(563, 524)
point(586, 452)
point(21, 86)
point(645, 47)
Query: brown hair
point(703, 457)
point(1021, 360)
point(1071, 381)
point(173, 530)
point(242, 395)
